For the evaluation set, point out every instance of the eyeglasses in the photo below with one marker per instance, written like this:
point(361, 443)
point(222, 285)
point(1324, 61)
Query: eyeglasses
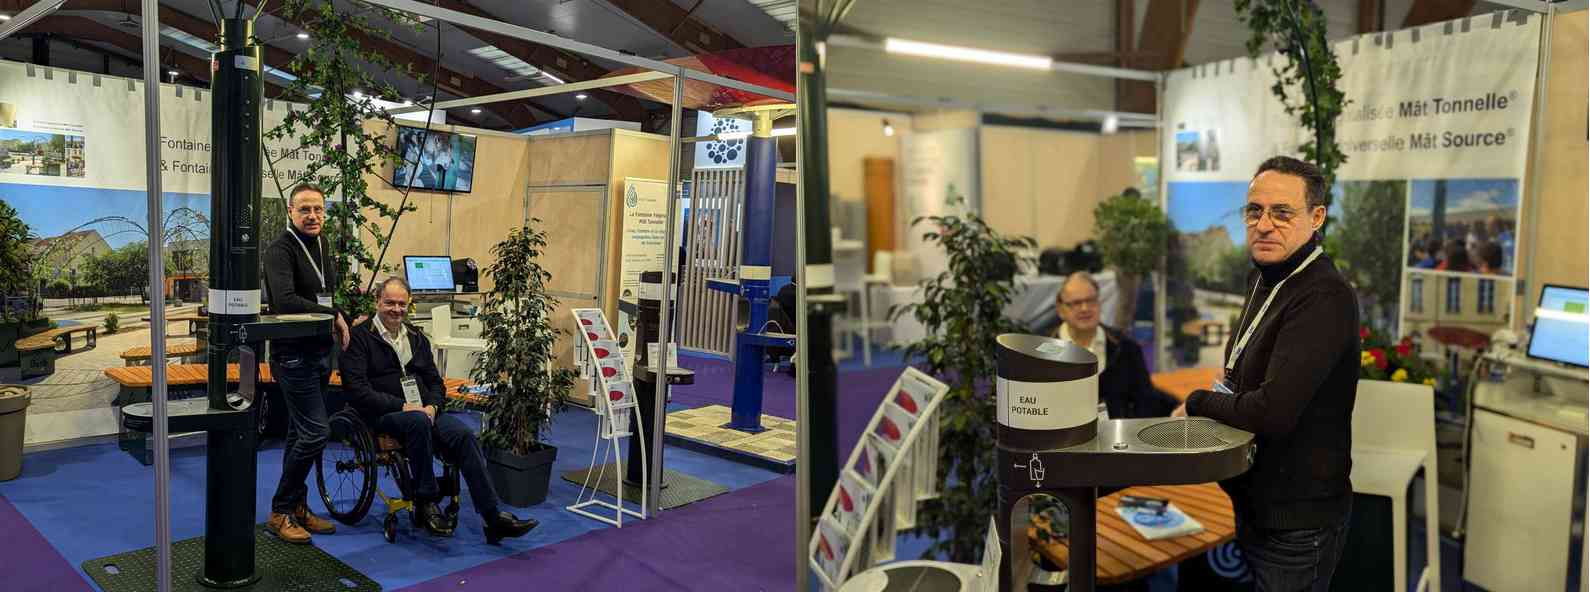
point(1079, 304)
point(1280, 216)
point(307, 210)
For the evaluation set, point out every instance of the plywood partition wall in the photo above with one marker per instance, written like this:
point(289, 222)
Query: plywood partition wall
point(484, 217)
point(1560, 256)
point(575, 186)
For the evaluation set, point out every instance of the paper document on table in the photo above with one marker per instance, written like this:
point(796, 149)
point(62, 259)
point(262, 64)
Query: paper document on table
point(1155, 526)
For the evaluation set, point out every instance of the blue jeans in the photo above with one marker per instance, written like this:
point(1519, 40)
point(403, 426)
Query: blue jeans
point(457, 444)
point(302, 376)
point(1300, 560)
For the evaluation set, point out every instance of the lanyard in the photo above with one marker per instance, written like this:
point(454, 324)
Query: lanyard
point(1253, 323)
point(312, 264)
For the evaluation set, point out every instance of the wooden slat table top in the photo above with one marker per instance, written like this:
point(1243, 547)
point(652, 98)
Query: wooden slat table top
point(175, 347)
point(1180, 383)
point(191, 374)
point(47, 338)
point(1124, 556)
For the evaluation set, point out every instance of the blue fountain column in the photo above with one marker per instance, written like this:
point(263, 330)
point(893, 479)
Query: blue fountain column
point(761, 164)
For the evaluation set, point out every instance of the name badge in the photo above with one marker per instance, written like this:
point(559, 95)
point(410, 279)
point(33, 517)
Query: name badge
point(324, 300)
point(411, 392)
point(1223, 386)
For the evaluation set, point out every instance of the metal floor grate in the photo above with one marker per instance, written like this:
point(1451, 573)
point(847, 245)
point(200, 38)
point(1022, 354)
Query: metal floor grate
point(282, 567)
point(1189, 435)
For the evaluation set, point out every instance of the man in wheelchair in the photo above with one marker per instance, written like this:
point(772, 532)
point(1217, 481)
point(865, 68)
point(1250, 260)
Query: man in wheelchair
point(390, 378)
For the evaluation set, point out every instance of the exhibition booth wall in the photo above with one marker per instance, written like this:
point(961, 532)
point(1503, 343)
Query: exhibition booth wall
point(79, 189)
point(1032, 181)
point(1558, 227)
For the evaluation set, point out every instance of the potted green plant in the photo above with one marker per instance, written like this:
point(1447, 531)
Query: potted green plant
point(1132, 235)
point(517, 365)
point(962, 312)
point(16, 279)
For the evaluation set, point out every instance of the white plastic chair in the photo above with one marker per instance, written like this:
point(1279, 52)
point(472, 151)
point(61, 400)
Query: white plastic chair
point(443, 342)
point(1393, 437)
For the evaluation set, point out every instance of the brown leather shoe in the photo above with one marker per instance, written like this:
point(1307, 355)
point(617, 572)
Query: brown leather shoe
point(287, 529)
point(311, 522)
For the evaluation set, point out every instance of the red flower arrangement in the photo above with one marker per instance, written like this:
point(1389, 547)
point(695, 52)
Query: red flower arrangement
point(1398, 362)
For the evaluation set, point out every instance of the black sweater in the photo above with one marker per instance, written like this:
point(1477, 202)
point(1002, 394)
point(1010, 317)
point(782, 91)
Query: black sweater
point(1124, 386)
point(371, 377)
point(291, 284)
point(1295, 385)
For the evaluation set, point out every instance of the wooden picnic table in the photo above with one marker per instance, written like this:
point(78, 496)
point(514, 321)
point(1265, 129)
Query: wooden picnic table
point(1124, 555)
point(1180, 383)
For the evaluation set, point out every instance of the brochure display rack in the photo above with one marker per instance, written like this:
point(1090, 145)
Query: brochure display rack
point(601, 361)
point(894, 466)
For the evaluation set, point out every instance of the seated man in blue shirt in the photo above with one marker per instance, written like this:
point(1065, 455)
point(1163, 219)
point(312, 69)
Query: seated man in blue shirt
point(390, 377)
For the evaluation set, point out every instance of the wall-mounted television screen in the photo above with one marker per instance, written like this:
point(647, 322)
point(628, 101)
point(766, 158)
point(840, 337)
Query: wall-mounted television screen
point(441, 161)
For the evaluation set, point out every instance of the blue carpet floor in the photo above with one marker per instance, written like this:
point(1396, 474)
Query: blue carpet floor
point(93, 501)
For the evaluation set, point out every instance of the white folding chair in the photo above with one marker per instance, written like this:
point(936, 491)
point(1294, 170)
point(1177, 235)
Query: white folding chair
point(1393, 437)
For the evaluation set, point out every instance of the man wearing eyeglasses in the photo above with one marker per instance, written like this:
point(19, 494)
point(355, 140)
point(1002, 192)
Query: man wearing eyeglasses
point(300, 276)
point(1124, 386)
point(1291, 377)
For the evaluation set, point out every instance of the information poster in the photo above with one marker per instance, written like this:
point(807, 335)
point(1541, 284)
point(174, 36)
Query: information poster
point(645, 223)
point(73, 167)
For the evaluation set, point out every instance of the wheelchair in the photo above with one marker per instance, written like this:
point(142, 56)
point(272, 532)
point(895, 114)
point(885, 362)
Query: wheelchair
point(348, 475)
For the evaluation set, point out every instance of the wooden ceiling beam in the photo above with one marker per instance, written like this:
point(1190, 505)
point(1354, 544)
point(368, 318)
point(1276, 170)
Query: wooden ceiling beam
point(1424, 12)
point(1162, 45)
point(567, 66)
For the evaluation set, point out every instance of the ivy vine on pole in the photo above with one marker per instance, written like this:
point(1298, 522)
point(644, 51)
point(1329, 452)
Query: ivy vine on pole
point(1297, 30)
point(332, 126)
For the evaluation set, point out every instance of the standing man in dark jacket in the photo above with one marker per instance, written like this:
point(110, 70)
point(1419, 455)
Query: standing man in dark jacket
point(300, 276)
point(390, 377)
point(1124, 385)
point(1291, 377)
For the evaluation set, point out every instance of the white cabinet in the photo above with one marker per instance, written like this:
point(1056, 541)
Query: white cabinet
point(1523, 481)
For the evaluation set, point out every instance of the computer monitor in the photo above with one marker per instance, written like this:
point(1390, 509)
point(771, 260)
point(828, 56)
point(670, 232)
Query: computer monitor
point(429, 274)
point(1562, 326)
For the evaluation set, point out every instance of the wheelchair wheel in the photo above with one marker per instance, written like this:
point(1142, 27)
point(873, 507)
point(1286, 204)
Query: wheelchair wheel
point(389, 528)
point(346, 471)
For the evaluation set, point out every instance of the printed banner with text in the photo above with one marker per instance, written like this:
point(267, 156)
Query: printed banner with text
point(1425, 210)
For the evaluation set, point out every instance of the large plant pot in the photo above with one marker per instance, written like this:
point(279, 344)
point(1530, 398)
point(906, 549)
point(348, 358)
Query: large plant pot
point(521, 481)
point(14, 401)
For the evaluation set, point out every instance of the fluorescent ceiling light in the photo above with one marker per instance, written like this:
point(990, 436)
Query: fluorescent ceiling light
point(581, 96)
point(553, 78)
point(475, 111)
point(966, 54)
point(188, 40)
point(5, 17)
point(507, 61)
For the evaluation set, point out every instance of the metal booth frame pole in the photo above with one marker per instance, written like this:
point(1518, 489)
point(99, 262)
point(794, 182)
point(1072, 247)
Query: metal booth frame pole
point(664, 319)
point(157, 289)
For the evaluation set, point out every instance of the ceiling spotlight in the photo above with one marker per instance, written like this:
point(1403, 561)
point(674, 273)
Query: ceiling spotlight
point(888, 129)
point(303, 35)
point(1112, 123)
point(475, 111)
point(172, 73)
point(581, 96)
